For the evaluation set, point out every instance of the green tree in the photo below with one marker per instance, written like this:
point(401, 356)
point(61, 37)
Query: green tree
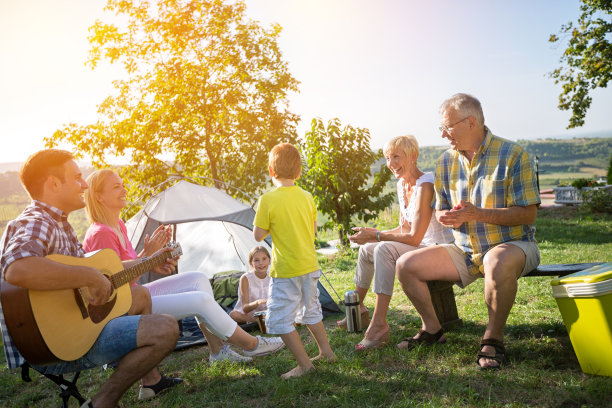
point(610, 171)
point(586, 64)
point(205, 94)
point(338, 173)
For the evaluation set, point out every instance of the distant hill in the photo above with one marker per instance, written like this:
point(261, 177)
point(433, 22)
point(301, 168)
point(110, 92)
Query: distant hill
point(10, 184)
point(570, 155)
point(14, 166)
point(555, 155)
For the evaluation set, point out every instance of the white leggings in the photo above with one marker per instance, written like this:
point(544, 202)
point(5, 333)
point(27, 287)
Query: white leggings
point(190, 294)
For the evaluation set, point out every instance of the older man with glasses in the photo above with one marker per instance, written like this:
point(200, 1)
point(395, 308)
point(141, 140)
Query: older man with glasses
point(486, 191)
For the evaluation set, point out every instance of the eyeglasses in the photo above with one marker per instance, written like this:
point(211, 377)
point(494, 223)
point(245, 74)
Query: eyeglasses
point(449, 128)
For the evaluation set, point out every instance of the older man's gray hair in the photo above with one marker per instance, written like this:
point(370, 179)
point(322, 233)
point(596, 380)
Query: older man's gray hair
point(465, 105)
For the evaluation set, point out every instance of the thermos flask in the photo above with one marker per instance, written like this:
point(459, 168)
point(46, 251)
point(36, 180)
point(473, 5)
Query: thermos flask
point(353, 315)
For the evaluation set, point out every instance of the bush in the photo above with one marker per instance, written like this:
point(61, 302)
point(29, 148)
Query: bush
point(597, 201)
point(584, 182)
point(321, 243)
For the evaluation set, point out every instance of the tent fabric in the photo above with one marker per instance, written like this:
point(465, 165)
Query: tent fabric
point(197, 203)
point(213, 229)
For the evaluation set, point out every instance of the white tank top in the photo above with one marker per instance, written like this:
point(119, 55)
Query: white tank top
point(258, 289)
point(436, 233)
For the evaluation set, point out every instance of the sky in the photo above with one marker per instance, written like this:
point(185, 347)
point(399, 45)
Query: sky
point(384, 65)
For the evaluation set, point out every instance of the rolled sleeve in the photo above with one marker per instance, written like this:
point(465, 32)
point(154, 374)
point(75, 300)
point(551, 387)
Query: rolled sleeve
point(27, 241)
point(440, 200)
point(523, 189)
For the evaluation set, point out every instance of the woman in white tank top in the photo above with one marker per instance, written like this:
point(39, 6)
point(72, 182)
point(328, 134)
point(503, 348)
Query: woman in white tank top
point(379, 250)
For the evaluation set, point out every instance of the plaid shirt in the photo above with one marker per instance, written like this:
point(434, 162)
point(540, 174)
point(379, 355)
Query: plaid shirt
point(40, 230)
point(499, 176)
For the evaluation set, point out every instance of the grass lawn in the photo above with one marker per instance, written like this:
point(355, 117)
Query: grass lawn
point(543, 369)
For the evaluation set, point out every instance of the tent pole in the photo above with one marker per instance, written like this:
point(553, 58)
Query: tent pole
point(174, 240)
point(330, 285)
point(180, 322)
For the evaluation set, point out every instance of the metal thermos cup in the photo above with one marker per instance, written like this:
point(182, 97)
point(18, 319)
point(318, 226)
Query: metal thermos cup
point(353, 315)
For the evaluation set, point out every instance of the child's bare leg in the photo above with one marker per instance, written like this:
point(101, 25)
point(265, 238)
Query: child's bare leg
point(294, 344)
point(318, 332)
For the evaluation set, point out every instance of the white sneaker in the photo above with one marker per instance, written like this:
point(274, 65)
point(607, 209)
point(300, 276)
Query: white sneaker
point(265, 345)
point(227, 354)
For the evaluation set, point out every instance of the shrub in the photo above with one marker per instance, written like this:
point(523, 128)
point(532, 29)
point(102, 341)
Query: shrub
point(597, 201)
point(584, 182)
point(321, 243)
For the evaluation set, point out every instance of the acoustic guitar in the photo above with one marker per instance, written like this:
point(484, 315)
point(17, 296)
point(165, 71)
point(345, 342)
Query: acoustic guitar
point(52, 326)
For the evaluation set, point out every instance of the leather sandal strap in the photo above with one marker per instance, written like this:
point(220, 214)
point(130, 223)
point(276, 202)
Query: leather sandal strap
point(429, 338)
point(500, 360)
point(496, 344)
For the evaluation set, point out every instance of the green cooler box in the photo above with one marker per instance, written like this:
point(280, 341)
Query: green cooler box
point(585, 302)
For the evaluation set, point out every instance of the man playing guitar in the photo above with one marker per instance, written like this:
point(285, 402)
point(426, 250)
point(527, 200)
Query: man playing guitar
point(55, 185)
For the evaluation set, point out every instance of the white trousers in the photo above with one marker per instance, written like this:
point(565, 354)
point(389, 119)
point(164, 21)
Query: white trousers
point(190, 294)
point(377, 260)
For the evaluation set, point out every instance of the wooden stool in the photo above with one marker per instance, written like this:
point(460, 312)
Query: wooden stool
point(443, 299)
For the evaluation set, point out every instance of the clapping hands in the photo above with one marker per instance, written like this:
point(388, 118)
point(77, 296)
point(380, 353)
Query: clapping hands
point(462, 212)
point(156, 244)
point(161, 236)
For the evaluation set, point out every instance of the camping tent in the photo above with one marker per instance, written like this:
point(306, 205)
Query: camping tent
point(214, 230)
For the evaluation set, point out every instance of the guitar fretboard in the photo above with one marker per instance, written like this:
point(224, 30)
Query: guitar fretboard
point(121, 278)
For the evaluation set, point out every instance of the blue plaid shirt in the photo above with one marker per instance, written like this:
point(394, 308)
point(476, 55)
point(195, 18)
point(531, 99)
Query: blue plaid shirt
point(500, 175)
point(40, 230)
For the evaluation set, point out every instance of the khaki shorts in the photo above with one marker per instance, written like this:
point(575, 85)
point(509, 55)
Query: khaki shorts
point(293, 300)
point(532, 260)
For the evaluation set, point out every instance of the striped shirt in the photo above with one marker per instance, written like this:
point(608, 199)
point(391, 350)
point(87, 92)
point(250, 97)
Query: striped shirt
point(40, 230)
point(500, 175)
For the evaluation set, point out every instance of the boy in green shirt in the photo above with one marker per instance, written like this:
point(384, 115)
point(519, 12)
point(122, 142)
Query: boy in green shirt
point(289, 214)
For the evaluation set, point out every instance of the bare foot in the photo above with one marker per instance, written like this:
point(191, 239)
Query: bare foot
point(296, 372)
point(325, 357)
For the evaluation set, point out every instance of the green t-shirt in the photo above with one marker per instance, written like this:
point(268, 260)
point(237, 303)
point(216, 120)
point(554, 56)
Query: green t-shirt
point(289, 213)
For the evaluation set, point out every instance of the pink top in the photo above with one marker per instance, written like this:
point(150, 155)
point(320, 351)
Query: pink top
point(100, 236)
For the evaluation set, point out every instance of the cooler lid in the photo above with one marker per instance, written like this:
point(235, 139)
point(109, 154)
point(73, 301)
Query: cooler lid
point(595, 274)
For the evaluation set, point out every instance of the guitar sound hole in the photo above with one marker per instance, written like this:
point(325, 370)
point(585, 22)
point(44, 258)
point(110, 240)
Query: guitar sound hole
point(99, 313)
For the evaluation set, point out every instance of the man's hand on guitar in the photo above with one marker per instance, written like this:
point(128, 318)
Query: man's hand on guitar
point(99, 289)
point(167, 267)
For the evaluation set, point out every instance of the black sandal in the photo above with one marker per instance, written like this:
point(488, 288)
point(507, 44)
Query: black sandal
point(423, 338)
point(499, 356)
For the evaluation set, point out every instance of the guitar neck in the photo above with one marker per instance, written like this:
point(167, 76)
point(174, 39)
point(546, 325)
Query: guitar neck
point(121, 278)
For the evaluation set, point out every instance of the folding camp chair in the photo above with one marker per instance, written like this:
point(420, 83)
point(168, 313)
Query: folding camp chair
point(67, 388)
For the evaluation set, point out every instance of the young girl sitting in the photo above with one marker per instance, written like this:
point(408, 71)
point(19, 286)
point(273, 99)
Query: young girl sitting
point(253, 288)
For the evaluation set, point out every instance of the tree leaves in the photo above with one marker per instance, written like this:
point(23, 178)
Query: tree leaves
point(587, 61)
point(338, 173)
point(205, 94)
